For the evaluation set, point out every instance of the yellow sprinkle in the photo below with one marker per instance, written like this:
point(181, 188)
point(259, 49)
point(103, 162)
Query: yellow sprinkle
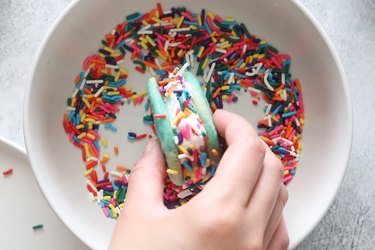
point(90, 120)
point(193, 27)
point(87, 151)
point(243, 65)
point(143, 39)
point(91, 136)
point(143, 93)
point(124, 71)
point(104, 141)
point(153, 44)
point(178, 117)
point(121, 205)
point(229, 19)
point(172, 171)
point(83, 134)
point(101, 55)
point(116, 54)
point(89, 125)
point(156, 18)
point(263, 41)
point(180, 20)
point(174, 20)
point(213, 39)
point(117, 76)
point(115, 194)
point(222, 40)
point(205, 63)
point(144, 22)
point(182, 149)
point(113, 93)
point(302, 121)
point(199, 20)
point(200, 51)
point(261, 56)
point(225, 87)
point(143, 45)
point(210, 15)
point(208, 162)
point(86, 102)
point(107, 197)
point(286, 172)
point(180, 53)
point(80, 126)
point(109, 50)
point(87, 172)
point(113, 209)
point(161, 55)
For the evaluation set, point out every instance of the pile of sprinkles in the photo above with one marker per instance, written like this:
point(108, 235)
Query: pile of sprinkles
point(225, 56)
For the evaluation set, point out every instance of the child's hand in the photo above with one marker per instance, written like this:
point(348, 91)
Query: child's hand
point(240, 207)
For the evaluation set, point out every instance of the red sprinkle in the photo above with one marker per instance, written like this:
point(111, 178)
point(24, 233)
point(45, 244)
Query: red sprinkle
point(8, 172)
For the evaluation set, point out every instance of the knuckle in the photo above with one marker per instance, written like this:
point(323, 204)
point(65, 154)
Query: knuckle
point(276, 164)
point(254, 144)
point(219, 223)
point(284, 195)
point(284, 242)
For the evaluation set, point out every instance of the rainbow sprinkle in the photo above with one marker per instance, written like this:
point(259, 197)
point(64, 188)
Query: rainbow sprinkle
point(222, 52)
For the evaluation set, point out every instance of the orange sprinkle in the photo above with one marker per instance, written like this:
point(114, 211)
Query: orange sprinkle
point(77, 79)
point(121, 168)
point(216, 93)
point(115, 149)
point(214, 152)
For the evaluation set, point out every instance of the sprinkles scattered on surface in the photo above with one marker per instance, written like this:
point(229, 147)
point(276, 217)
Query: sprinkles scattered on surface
point(222, 52)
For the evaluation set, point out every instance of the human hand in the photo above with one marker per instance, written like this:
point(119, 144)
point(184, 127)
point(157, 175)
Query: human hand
point(239, 208)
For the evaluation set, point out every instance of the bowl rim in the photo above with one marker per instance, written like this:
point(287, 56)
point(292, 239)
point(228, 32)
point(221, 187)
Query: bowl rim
point(35, 65)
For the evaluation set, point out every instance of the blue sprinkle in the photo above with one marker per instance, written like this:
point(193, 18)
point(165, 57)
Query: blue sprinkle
point(97, 146)
point(120, 44)
point(285, 115)
point(147, 106)
point(203, 158)
point(188, 166)
point(207, 27)
point(108, 126)
point(71, 115)
point(276, 110)
point(113, 129)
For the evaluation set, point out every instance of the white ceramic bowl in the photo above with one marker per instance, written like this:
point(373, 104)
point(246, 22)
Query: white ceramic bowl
point(285, 24)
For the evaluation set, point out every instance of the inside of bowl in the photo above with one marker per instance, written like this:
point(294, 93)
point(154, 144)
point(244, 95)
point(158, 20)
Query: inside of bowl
point(58, 165)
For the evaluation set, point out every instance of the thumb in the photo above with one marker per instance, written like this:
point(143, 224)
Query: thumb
point(146, 179)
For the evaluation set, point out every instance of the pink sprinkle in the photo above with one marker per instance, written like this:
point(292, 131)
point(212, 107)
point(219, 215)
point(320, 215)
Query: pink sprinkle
point(287, 178)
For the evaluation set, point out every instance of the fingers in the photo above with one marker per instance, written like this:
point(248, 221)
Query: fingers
point(280, 239)
point(146, 179)
point(276, 215)
point(266, 191)
point(241, 164)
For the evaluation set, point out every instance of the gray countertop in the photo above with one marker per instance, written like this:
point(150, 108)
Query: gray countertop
point(350, 24)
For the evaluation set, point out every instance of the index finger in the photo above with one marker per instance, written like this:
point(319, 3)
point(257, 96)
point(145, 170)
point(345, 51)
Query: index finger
point(242, 162)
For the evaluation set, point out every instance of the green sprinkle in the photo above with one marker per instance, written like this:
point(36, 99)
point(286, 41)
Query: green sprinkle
point(273, 49)
point(247, 33)
point(38, 226)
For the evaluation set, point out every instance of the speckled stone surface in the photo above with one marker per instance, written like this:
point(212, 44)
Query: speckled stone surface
point(350, 222)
